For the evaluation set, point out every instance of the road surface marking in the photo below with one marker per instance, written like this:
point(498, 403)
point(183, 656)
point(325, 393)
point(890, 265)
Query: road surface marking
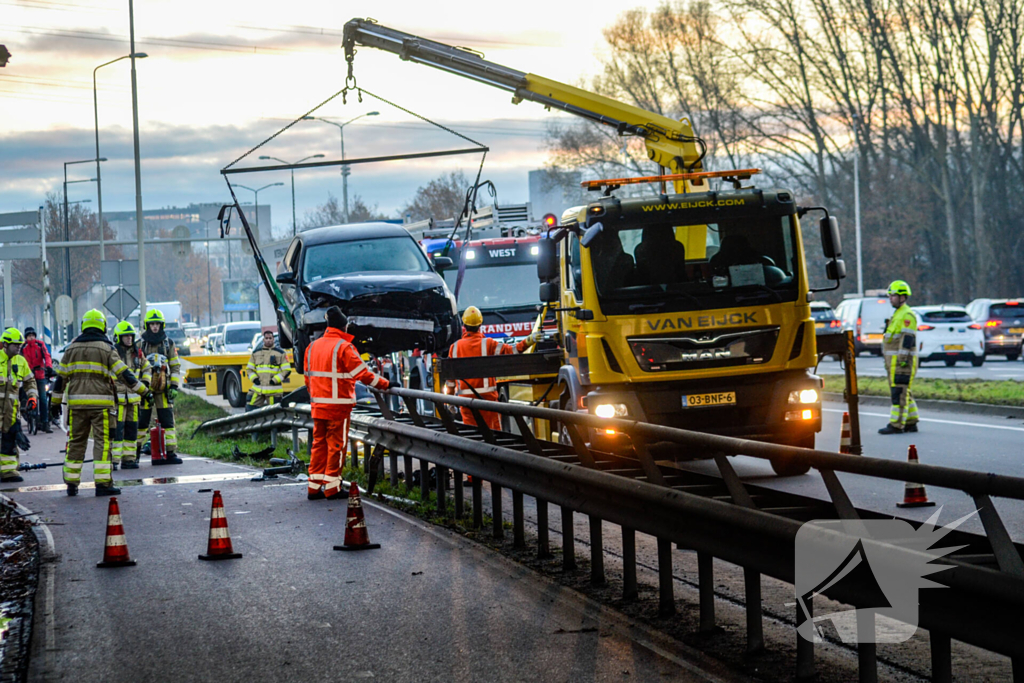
point(947, 422)
point(152, 481)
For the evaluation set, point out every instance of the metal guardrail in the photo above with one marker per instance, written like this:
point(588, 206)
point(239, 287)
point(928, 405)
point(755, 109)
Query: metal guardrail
point(980, 605)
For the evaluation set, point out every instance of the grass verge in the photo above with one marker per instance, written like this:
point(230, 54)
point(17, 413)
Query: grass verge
point(191, 411)
point(996, 392)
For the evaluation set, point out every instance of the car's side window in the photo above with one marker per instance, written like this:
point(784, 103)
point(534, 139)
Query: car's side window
point(291, 257)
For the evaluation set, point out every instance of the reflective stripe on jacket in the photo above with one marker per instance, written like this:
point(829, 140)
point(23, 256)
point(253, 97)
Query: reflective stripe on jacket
point(87, 373)
point(267, 370)
point(139, 366)
point(332, 368)
point(14, 373)
point(474, 345)
point(164, 348)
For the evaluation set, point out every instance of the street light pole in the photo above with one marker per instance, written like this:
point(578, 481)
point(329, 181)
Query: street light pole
point(138, 167)
point(96, 120)
point(315, 156)
point(345, 171)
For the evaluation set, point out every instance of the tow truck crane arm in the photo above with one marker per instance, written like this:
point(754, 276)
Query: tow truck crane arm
point(669, 143)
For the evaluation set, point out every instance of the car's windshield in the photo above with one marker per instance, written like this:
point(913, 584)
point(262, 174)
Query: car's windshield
point(240, 335)
point(822, 314)
point(339, 258)
point(745, 261)
point(1006, 311)
point(496, 287)
point(175, 333)
point(946, 316)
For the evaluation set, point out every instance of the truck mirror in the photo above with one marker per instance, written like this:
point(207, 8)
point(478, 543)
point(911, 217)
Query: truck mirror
point(549, 292)
point(591, 234)
point(830, 242)
point(835, 269)
point(286, 278)
point(442, 263)
point(547, 260)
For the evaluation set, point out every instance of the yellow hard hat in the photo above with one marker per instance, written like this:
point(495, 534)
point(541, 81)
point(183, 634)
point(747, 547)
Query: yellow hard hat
point(899, 287)
point(94, 319)
point(472, 317)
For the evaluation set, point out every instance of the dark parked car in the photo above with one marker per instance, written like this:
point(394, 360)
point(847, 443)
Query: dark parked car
point(1003, 323)
point(380, 278)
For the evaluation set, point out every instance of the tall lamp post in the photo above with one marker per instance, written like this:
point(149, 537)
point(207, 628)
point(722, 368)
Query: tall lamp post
point(345, 171)
point(96, 120)
point(139, 226)
point(315, 156)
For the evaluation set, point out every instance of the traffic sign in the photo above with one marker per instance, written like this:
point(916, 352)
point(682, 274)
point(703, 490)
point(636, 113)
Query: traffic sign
point(63, 309)
point(121, 303)
point(120, 273)
point(181, 232)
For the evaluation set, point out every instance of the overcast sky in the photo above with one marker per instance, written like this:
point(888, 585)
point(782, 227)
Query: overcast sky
point(222, 75)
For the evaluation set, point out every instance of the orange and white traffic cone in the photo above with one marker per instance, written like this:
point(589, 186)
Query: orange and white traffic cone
point(914, 495)
point(115, 551)
point(845, 435)
point(219, 545)
point(356, 536)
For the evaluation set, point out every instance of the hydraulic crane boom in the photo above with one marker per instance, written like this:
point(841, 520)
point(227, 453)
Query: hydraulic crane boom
point(669, 143)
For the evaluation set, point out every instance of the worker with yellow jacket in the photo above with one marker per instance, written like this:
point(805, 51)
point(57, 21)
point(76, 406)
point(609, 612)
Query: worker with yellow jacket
point(86, 374)
point(166, 374)
point(14, 374)
point(899, 349)
point(268, 369)
point(127, 434)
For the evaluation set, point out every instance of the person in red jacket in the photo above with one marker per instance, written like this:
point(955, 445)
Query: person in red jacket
point(332, 368)
point(35, 352)
point(474, 344)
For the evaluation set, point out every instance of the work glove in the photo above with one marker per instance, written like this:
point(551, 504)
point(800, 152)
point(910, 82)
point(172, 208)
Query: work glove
point(172, 393)
point(22, 441)
point(535, 336)
point(450, 388)
point(275, 380)
point(55, 411)
point(32, 403)
point(148, 396)
point(49, 373)
point(382, 385)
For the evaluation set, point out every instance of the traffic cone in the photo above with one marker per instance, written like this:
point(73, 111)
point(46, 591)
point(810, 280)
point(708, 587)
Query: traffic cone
point(914, 495)
point(219, 545)
point(115, 551)
point(845, 435)
point(356, 536)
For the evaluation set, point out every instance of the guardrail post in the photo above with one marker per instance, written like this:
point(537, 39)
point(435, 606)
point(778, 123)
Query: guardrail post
point(273, 438)
point(804, 647)
point(942, 657)
point(666, 593)
point(478, 503)
point(706, 588)
point(596, 552)
point(309, 443)
point(459, 495)
point(543, 533)
point(424, 480)
point(629, 589)
point(442, 484)
point(752, 596)
point(367, 451)
point(295, 441)
point(407, 471)
point(867, 659)
point(518, 523)
point(497, 521)
point(393, 466)
point(354, 447)
point(568, 541)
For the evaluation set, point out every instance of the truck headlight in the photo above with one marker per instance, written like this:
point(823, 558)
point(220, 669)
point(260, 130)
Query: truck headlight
point(610, 410)
point(804, 396)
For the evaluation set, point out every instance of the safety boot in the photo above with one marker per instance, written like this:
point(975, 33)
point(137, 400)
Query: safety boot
point(172, 459)
point(113, 466)
point(129, 465)
point(72, 489)
point(889, 429)
point(12, 479)
point(910, 428)
point(107, 490)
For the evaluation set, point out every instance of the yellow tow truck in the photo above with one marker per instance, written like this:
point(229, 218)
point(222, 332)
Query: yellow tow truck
point(223, 374)
point(687, 306)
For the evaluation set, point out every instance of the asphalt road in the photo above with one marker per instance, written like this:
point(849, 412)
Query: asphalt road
point(995, 367)
point(428, 605)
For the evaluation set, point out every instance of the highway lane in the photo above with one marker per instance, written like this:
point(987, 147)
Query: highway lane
point(995, 367)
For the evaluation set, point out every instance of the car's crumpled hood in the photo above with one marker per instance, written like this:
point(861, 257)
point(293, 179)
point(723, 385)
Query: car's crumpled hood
point(353, 285)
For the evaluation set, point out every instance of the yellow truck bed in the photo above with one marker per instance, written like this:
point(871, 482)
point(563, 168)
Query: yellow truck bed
point(223, 374)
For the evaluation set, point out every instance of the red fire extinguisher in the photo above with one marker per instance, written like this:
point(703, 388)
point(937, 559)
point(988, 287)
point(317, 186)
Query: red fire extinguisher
point(157, 447)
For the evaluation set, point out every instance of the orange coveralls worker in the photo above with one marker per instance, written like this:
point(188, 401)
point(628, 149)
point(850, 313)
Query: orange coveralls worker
point(332, 367)
point(475, 344)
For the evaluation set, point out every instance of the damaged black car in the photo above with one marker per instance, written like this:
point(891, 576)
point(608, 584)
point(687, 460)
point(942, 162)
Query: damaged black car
point(380, 278)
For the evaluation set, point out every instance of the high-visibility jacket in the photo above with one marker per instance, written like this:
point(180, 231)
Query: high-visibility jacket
point(140, 368)
point(88, 370)
point(899, 345)
point(159, 343)
point(475, 344)
point(267, 370)
point(332, 368)
point(14, 373)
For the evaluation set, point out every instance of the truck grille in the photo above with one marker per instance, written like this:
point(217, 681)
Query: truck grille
point(707, 349)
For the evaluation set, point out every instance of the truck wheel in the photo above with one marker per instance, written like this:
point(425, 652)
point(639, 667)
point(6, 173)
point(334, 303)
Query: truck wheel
point(788, 468)
point(233, 389)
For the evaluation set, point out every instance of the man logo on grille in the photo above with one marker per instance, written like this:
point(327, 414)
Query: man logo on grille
point(877, 565)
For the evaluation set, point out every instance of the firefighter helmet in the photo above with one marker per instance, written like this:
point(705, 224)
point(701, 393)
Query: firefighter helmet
point(899, 287)
point(154, 315)
point(94, 319)
point(122, 328)
point(12, 336)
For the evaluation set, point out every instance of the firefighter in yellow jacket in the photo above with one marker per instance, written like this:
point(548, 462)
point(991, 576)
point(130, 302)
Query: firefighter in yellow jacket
point(14, 374)
point(87, 373)
point(128, 401)
point(899, 349)
point(166, 380)
point(268, 369)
